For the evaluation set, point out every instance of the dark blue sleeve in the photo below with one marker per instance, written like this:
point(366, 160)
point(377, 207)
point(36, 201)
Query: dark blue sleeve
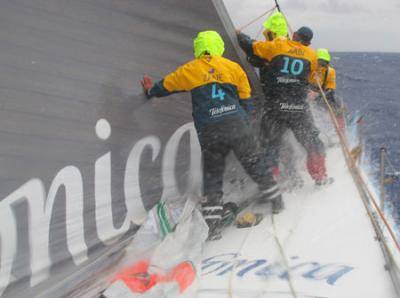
point(246, 43)
point(256, 61)
point(158, 90)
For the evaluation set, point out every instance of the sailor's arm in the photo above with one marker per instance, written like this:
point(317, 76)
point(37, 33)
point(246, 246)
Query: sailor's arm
point(264, 50)
point(330, 87)
point(256, 61)
point(172, 83)
point(245, 42)
point(244, 91)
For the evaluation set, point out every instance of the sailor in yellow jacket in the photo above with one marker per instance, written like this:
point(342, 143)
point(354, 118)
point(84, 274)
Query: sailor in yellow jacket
point(274, 27)
point(221, 95)
point(327, 80)
point(293, 67)
point(284, 170)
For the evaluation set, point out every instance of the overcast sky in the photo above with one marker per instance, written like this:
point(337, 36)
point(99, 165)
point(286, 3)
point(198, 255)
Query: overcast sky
point(339, 25)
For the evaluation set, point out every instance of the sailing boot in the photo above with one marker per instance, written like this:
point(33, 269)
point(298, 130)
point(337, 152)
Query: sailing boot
point(273, 195)
point(212, 210)
point(229, 212)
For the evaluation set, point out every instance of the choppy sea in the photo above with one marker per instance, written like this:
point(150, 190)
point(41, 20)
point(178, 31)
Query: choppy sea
point(370, 83)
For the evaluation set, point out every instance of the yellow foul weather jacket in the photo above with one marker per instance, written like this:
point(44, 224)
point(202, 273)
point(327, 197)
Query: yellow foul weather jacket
point(292, 67)
point(327, 77)
point(219, 87)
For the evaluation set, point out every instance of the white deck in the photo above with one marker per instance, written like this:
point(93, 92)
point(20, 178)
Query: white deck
point(327, 239)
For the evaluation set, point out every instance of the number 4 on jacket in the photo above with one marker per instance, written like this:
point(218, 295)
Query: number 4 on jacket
point(217, 94)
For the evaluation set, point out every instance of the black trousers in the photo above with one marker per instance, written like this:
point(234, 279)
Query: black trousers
point(216, 143)
point(275, 123)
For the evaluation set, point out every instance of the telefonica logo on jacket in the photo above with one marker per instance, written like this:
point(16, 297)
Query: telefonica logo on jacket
point(283, 80)
point(291, 107)
point(222, 110)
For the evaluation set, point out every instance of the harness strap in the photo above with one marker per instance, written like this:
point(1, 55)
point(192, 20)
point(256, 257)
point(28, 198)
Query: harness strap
point(325, 78)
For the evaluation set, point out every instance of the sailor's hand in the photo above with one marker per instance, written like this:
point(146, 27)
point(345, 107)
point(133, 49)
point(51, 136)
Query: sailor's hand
point(238, 31)
point(147, 84)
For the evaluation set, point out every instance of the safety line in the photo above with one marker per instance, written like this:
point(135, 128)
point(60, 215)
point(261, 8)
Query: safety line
point(352, 165)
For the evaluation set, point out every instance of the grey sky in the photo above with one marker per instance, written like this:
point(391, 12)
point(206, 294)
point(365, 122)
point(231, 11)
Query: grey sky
point(339, 25)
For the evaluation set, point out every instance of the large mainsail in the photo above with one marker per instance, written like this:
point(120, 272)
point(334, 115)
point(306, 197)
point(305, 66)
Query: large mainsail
point(83, 153)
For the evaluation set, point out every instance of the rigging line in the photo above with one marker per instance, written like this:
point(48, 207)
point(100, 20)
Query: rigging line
point(353, 167)
point(277, 5)
point(286, 19)
point(256, 19)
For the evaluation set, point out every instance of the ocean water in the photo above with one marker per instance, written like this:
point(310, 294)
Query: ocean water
point(370, 83)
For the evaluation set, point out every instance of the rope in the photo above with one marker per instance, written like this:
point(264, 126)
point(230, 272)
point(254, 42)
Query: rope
point(256, 19)
point(281, 250)
point(262, 27)
point(285, 261)
point(259, 32)
point(270, 11)
point(230, 290)
point(353, 167)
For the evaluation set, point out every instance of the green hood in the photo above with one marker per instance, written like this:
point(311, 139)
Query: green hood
point(210, 42)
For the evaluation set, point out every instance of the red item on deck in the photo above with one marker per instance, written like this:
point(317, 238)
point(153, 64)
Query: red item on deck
point(184, 274)
point(136, 277)
point(138, 280)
